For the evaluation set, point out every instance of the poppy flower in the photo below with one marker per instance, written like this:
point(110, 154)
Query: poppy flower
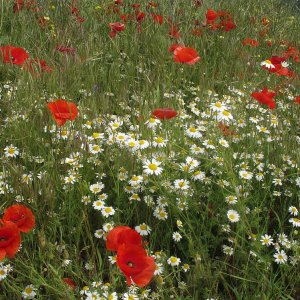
point(174, 32)
point(164, 113)
point(64, 49)
point(21, 215)
point(120, 235)
point(297, 100)
point(70, 283)
point(18, 6)
point(250, 42)
point(62, 111)
point(37, 67)
point(186, 55)
point(135, 264)
point(265, 97)
point(157, 18)
point(14, 55)
point(117, 26)
point(211, 16)
point(10, 239)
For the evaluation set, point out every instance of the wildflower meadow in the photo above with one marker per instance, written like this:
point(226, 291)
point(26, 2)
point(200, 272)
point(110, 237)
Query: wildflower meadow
point(149, 150)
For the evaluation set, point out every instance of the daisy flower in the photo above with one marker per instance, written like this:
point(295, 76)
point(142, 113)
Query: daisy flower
point(176, 236)
point(173, 261)
point(152, 167)
point(11, 151)
point(143, 229)
point(295, 222)
point(280, 257)
point(107, 211)
point(233, 216)
point(266, 240)
point(29, 292)
point(293, 210)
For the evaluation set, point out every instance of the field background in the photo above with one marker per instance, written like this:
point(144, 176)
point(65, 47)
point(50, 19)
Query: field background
point(117, 83)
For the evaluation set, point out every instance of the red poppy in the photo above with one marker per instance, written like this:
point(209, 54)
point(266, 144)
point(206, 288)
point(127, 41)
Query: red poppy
point(157, 18)
point(117, 26)
point(250, 42)
point(21, 215)
point(174, 46)
point(135, 264)
point(219, 20)
point(174, 32)
point(70, 283)
point(37, 67)
point(64, 49)
point(18, 6)
point(62, 111)
point(186, 55)
point(297, 100)
point(14, 55)
point(10, 239)
point(164, 113)
point(120, 235)
point(265, 97)
point(211, 16)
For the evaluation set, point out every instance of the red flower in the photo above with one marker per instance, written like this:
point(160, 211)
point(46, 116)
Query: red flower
point(37, 66)
point(14, 55)
point(211, 16)
point(117, 26)
point(250, 42)
point(174, 31)
point(18, 6)
point(21, 215)
point(135, 264)
point(62, 111)
point(164, 113)
point(121, 235)
point(64, 49)
point(265, 97)
point(70, 283)
point(10, 239)
point(186, 55)
point(157, 18)
point(297, 100)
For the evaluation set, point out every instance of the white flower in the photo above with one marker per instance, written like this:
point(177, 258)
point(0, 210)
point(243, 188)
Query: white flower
point(11, 151)
point(98, 204)
point(95, 149)
point(293, 210)
point(152, 122)
point(218, 106)
point(295, 222)
point(176, 236)
point(181, 184)
point(268, 64)
point(193, 132)
point(159, 142)
point(107, 211)
point(152, 167)
point(223, 143)
point(173, 261)
point(97, 187)
point(143, 229)
point(29, 292)
point(266, 240)
point(280, 257)
point(227, 250)
point(224, 116)
point(233, 216)
point(245, 174)
point(231, 199)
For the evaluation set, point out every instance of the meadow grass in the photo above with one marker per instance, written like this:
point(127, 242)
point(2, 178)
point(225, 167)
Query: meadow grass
point(116, 84)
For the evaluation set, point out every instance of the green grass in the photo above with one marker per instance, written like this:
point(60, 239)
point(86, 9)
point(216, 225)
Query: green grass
point(124, 79)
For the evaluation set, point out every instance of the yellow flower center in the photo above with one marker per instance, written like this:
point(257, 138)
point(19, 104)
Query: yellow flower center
point(152, 167)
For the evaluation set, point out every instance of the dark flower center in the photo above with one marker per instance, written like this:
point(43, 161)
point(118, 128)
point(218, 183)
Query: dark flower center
point(130, 264)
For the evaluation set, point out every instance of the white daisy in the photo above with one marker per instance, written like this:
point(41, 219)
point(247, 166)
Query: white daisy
point(233, 216)
point(152, 167)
